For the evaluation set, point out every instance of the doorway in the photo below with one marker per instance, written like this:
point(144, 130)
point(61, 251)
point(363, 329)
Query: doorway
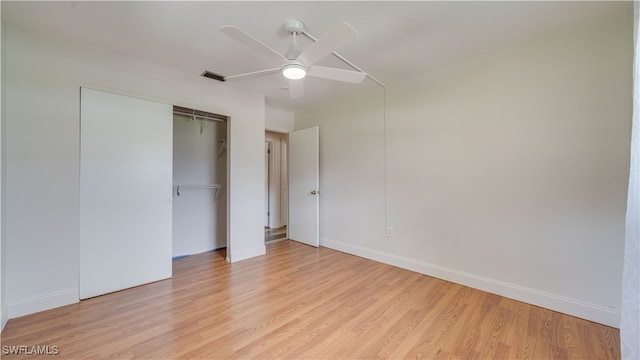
point(276, 186)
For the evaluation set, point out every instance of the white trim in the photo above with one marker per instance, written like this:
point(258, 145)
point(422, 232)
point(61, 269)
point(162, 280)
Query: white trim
point(117, 91)
point(235, 256)
point(574, 307)
point(4, 317)
point(43, 302)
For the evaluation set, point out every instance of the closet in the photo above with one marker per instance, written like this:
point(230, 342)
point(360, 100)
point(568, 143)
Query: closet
point(199, 181)
point(153, 185)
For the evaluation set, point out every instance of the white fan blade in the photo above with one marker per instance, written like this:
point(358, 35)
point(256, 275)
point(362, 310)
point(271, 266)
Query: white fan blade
point(296, 88)
point(253, 74)
point(350, 76)
point(253, 43)
point(328, 43)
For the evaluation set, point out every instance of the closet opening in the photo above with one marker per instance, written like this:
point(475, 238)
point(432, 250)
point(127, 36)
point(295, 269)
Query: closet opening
point(276, 187)
point(199, 181)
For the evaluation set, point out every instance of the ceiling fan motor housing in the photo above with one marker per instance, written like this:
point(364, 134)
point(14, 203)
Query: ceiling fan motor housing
point(294, 26)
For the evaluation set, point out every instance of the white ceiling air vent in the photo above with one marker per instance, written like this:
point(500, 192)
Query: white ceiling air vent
point(212, 75)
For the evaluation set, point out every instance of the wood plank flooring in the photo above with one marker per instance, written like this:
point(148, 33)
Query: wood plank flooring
point(275, 234)
point(301, 302)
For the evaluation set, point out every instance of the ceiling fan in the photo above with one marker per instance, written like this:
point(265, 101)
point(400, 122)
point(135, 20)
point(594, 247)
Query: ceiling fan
point(296, 64)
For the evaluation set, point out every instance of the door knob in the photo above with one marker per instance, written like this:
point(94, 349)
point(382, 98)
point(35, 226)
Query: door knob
point(313, 192)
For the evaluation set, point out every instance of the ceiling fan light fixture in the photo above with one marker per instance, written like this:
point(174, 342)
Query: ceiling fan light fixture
point(294, 71)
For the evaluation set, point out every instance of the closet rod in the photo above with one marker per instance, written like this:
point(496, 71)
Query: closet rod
point(195, 116)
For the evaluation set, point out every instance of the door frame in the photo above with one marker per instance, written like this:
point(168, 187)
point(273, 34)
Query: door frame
point(268, 173)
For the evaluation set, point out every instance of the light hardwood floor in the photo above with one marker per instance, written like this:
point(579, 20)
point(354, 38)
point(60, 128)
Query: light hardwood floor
point(276, 234)
point(301, 302)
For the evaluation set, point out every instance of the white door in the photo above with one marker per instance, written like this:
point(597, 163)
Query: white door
point(304, 186)
point(125, 192)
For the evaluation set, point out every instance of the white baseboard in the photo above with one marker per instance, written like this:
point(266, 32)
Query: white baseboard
point(4, 316)
point(43, 302)
point(235, 256)
point(574, 307)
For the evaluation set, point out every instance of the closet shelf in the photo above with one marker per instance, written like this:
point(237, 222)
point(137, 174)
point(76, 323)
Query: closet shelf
point(201, 115)
point(194, 187)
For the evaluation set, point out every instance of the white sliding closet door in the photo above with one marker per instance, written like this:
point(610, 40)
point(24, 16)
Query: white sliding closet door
point(125, 192)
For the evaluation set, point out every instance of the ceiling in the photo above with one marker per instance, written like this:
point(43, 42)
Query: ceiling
point(396, 39)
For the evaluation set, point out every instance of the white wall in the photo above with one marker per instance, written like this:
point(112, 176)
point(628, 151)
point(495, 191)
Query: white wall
point(278, 120)
point(199, 217)
point(245, 224)
point(506, 172)
point(43, 78)
point(352, 186)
